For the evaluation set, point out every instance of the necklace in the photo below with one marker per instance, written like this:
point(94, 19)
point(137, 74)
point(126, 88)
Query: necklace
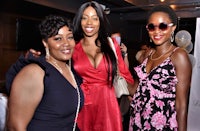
point(79, 98)
point(56, 66)
point(162, 54)
point(76, 86)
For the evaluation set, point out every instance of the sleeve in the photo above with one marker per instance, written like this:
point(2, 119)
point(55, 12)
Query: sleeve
point(14, 69)
point(124, 71)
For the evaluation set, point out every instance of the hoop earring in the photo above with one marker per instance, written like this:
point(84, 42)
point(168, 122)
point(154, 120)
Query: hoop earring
point(172, 37)
point(150, 40)
point(47, 53)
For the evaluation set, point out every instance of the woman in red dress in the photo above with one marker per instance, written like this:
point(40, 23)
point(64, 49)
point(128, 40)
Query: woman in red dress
point(95, 62)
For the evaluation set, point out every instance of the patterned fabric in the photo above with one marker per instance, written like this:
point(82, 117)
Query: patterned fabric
point(153, 105)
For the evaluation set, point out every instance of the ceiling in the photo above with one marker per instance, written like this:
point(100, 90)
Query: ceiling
point(72, 6)
point(125, 16)
point(184, 8)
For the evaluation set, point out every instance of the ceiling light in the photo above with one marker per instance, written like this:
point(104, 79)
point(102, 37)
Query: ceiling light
point(106, 10)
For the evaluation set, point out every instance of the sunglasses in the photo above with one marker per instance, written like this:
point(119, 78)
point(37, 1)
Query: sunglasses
point(162, 26)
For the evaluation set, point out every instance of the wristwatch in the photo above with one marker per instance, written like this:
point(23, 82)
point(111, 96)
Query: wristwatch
point(125, 54)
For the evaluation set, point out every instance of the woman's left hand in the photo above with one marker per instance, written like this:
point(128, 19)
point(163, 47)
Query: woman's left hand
point(123, 48)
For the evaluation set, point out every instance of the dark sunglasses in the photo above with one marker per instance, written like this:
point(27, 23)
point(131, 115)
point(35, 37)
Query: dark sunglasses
point(161, 26)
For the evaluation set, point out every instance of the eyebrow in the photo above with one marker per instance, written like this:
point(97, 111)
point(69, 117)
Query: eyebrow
point(92, 15)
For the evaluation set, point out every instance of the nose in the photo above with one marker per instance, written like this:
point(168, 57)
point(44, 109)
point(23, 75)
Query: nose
point(157, 29)
point(66, 42)
point(89, 21)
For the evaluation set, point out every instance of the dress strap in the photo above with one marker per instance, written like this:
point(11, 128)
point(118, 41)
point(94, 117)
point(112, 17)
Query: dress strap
point(174, 51)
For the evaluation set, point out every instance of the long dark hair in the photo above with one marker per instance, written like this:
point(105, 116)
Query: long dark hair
point(104, 32)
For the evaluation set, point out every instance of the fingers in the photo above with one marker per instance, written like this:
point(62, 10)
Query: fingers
point(123, 48)
point(35, 53)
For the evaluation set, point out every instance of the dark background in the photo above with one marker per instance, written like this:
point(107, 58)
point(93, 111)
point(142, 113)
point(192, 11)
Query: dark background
point(19, 18)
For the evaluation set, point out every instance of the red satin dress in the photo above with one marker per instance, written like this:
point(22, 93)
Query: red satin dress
point(100, 111)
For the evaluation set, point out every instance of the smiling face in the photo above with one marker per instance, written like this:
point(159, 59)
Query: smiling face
point(90, 22)
point(160, 36)
point(61, 46)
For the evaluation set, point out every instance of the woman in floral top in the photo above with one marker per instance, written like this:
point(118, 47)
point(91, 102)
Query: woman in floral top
point(161, 97)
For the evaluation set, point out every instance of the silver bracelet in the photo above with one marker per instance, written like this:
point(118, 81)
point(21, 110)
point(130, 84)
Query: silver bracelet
point(125, 54)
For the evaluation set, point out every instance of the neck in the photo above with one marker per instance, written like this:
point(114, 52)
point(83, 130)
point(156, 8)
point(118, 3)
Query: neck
point(162, 53)
point(58, 65)
point(89, 39)
point(90, 43)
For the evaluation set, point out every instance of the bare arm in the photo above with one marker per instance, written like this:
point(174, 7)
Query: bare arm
point(133, 87)
point(126, 60)
point(183, 71)
point(124, 49)
point(26, 93)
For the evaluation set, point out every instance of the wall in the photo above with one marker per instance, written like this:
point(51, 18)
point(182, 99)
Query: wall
point(133, 30)
point(9, 12)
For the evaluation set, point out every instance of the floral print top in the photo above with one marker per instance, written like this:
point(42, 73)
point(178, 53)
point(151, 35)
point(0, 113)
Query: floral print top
point(153, 104)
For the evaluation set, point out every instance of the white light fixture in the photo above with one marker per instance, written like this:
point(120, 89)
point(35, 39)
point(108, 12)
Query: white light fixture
point(106, 10)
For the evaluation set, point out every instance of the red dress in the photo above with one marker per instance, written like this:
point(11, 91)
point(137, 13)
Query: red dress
point(100, 111)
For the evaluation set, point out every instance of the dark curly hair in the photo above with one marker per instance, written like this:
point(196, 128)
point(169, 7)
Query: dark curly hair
point(166, 9)
point(51, 24)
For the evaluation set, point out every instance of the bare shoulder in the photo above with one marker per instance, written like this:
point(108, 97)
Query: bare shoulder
point(179, 51)
point(30, 76)
point(180, 57)
point(32, 70)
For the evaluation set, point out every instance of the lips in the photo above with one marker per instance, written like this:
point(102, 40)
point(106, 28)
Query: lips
point(158, 37)
point(89, 29)
point(66, 51)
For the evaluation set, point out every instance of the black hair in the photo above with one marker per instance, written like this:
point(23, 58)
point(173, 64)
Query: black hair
point(104, 32)
point(166, 9)
point(51, 24)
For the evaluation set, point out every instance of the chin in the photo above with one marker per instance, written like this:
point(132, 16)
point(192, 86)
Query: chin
point(157, 43)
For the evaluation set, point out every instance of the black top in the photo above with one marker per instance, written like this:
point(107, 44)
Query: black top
point(57, 109)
